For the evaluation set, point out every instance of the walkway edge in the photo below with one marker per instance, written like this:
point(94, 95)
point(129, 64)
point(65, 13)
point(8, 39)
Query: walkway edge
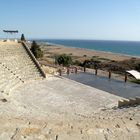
point(67, 79)
point(33, 59)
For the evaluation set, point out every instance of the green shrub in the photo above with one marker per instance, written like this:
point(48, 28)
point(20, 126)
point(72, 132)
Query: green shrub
point(63, 59)
point(38, 53)
point(137, 67)
point(78, 63)
point(91, 63)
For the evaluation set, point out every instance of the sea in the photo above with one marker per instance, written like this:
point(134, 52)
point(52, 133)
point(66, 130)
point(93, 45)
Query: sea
point(131, 48)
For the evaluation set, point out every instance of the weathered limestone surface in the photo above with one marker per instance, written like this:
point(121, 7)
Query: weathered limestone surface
point(60, 109)
point(16, 67)
point(56, 108)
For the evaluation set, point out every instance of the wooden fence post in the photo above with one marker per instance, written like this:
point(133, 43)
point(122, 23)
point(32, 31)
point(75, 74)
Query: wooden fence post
point(60, 72)
point(96, 71)
point(68, 71)
point(75, 70)
point(84, 68)
point(125, 79)
point(109, 76)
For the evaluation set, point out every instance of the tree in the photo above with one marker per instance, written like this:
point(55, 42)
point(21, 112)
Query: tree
point(137, 67)
point(38, 53)
point(63, 59)
point(23, 37)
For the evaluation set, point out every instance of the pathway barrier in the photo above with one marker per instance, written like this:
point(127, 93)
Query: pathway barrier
point(85, 70)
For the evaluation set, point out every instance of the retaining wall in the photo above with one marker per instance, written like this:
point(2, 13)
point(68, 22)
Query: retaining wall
point(33, 59)
point(129, 102)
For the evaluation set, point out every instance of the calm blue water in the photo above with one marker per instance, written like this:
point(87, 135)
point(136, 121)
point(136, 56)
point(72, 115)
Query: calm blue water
point(121, 47)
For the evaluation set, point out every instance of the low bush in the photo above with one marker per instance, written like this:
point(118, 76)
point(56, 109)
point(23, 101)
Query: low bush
point(38, 53)
point(63, 59)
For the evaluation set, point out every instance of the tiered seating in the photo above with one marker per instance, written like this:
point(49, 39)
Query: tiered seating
point(16, 66)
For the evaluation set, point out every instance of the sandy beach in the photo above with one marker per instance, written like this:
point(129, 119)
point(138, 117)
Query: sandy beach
point(80, 55)
point(78, 52)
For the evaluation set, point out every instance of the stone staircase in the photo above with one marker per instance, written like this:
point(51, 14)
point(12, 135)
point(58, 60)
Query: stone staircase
point(16, 66)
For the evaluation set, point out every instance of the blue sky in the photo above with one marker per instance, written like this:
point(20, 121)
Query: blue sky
point(72, 19)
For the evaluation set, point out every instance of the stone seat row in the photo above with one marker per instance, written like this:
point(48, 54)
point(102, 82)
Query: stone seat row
point(16, 67)
point(23, 71)
point(10, 80)
point(7, 81)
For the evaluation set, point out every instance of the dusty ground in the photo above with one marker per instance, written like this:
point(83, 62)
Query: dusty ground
point(59, 109)
point(110, 125)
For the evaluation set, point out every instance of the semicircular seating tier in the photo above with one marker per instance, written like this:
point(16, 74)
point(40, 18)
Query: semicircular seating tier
point(16, 66)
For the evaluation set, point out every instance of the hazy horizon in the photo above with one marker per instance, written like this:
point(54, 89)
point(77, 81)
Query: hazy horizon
point(31, 38)
point(81, 19)
point(82, 39)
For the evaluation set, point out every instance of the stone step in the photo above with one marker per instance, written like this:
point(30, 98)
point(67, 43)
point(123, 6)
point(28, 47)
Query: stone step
point(11, 85)
point(16, 64)
point(3, 86)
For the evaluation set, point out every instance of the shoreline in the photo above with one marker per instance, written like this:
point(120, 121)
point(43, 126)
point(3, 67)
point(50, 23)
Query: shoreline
point(98, 51)
point(55, 49)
